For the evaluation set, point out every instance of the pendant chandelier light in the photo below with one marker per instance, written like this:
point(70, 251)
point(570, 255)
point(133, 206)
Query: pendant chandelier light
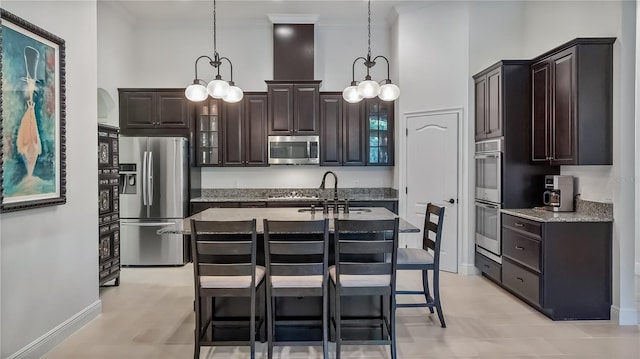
point(369, 88)
point(217, 88)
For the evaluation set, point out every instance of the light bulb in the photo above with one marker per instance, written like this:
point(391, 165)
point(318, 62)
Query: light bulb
point(196, 93)
point(218, 88)
point(368, 89)
point(351, 95)
point(235, 95)
point(389, 92)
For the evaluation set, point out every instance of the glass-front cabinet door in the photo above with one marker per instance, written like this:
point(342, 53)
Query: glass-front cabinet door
point(380, 132)
point(208, 134)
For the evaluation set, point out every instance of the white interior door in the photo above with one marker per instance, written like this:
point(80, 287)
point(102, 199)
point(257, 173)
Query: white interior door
point(432, 176)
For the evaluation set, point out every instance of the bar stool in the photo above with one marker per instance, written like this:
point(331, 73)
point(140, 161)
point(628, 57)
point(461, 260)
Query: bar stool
point(421, 259)
point(224, 265)
point(296, 257)
point(363, 268)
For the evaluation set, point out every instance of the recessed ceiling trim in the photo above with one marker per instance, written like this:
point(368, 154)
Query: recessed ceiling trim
point(293, 18)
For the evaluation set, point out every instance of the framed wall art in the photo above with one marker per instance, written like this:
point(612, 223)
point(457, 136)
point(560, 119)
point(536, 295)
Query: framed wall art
point(33, 115)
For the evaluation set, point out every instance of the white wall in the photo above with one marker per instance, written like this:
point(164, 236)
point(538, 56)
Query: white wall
point(433, 64)
point(49, 271)
point(164, 54)
point(115, 58)
point(495, 33)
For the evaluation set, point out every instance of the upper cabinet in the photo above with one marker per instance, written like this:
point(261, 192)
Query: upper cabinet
point(572, 96)
point(208, 134)
point(379, 129)
point(232, 134)
point(489, 102)
point(331, 129)
point(355, 134)
point(294, 108)
point(154, 112)
point(245, 126)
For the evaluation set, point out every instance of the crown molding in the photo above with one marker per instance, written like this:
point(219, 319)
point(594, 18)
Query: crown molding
point(293, 18)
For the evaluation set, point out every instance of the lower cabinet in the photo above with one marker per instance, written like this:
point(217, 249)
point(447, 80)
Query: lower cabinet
point(562, 269)
point(488, 267)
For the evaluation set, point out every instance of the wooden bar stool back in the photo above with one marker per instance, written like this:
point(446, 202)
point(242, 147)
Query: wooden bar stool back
point(421, 259)
point(365, 265)
point(296, 257)
point(224, 265)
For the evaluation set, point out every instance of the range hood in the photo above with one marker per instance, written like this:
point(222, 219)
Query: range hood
point(293, 52)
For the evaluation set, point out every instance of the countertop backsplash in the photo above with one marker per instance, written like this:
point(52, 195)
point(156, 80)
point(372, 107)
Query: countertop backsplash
point(265, 193)
point(599, 209)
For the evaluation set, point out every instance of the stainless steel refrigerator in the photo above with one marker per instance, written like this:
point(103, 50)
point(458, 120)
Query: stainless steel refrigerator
point(154, 194)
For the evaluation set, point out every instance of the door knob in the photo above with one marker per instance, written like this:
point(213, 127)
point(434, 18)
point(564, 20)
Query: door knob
point(450, 200)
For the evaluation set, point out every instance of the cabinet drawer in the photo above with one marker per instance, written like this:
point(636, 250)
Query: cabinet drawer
point(521, 281)
point(521, 224)
point(521, 248)
point(488, 267)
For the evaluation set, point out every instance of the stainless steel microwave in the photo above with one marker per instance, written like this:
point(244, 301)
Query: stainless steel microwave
point(294, 150)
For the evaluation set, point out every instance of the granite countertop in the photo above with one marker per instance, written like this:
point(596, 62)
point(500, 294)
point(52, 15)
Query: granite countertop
point(291, 214)
point(586, 211)
point(301, 195)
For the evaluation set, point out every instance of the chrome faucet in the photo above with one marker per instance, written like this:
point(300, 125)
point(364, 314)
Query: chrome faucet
point(335, 187)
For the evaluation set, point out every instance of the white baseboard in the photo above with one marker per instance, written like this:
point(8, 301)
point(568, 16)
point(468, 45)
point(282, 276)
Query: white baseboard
point(468, 269)
point(55, 336)
point(627, 316)
point(637, 268)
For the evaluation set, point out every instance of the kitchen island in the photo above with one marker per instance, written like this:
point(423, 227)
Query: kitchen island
point(285, 214)
point(293, 308)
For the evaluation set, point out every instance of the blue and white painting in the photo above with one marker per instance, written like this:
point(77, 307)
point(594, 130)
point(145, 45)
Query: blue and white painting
point(30, 116)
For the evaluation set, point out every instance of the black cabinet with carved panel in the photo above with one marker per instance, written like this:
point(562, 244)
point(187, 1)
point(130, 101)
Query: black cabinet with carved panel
point(572, 104)
point(108, 205)
point(154, 112)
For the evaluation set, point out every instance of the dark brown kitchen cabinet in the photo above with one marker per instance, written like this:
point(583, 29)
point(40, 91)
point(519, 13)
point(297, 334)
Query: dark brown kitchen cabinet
point(355, 134)
point(572, 97)
point(294, 108)
point(154, 112)
point(331, 129)
point(489, 104)
point(379, 132)
point(245, 124)
point(562, 269)
point(108, 205)
point(208, 134)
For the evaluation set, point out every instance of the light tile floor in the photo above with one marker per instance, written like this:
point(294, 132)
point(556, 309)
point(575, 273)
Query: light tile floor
point(150, 316)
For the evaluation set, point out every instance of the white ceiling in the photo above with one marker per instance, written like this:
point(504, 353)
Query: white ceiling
point(233, 11)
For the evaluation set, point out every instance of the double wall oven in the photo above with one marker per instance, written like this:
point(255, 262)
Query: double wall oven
point(488, 200)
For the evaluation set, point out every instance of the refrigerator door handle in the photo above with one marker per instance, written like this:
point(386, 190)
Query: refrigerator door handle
point(144, 179)
point(150, 177)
